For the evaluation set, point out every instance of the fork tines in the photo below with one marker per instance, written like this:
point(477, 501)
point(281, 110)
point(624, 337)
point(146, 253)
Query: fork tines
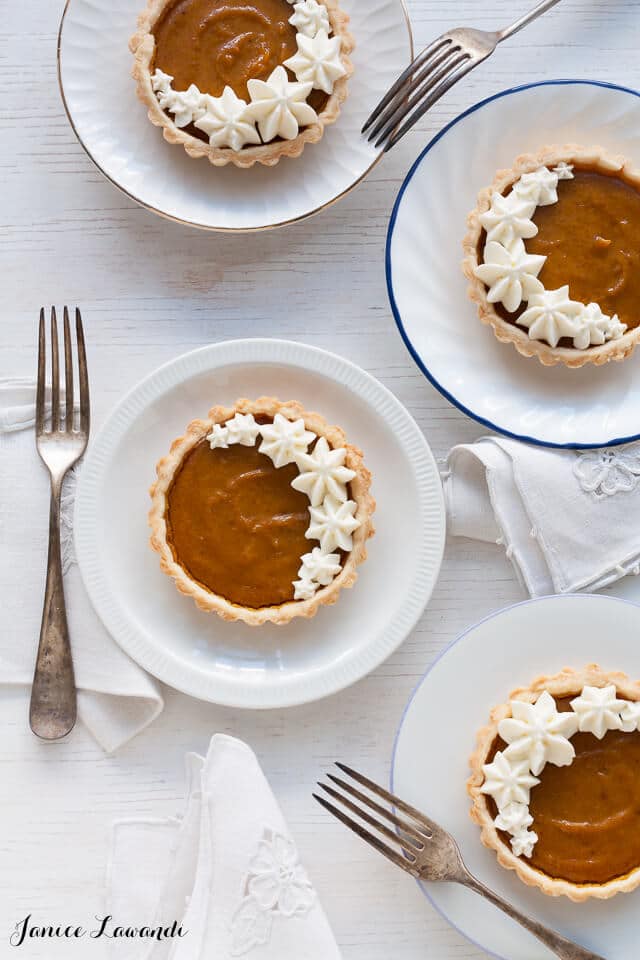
point(424, 81)
point(58, 423)
point(412, 831)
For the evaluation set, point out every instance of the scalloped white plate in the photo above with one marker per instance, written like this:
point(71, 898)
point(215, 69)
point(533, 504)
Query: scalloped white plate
point(486, 379)
point(94, 70)
point(231, 663)
point(437, 735)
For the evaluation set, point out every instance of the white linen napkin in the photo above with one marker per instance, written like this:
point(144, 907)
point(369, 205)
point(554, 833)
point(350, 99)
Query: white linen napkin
point(568, 519)
point(116, 699)
point(227, 872)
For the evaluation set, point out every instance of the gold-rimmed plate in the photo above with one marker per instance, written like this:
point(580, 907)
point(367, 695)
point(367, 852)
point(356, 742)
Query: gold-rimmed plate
point(94, 70)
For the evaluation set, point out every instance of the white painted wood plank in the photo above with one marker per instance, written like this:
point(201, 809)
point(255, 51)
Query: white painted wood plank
point(151, 290)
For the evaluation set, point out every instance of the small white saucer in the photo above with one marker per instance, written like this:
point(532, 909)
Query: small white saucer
point(94, 70)
point(231, 663)
point(437, 736)
point(488, 380)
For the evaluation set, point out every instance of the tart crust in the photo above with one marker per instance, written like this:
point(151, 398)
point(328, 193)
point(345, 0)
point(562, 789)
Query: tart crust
point(596, 158)
point(562, 684)
point(142, 44)
point(207, 600)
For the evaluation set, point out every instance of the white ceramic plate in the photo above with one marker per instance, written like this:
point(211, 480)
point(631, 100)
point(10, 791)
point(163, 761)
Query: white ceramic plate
point(231, 663)
point(100, 98)
point(486, 379)
point(437, 736)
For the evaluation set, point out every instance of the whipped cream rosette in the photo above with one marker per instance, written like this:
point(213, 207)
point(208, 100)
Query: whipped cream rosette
point(309, 18)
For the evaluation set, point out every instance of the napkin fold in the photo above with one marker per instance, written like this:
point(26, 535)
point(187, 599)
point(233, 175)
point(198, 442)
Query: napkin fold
point(116, 699)
point(227, 872)
point(566, 518)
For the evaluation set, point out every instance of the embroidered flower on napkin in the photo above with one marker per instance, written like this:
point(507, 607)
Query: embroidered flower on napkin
point(276, 885)
point(562, 516)
point(610, 471)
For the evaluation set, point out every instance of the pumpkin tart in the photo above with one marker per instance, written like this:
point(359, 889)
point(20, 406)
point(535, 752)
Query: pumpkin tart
point(555, 783)
point(261, 512)
point(242, 81)
point(552, 255)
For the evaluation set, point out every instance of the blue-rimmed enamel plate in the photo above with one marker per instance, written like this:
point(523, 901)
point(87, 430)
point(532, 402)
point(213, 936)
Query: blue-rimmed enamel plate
point(488, 380)
point(437, 736)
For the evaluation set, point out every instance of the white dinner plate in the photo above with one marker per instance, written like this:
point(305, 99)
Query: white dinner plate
point(437, 736)
point(231, 663)
point(488, 380)
point(94, 70)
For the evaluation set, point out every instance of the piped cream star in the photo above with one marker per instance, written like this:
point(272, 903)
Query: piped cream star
point(596, 327)
point(319, 566)
point(511, 274)
point(598, 710)
point(279, 106)
point(161, 84)
point(540, 187)
point(564, 171)
point(187, 106)
point(304, 589)
point(317, 61)
point(630, 716)
point(309, 17)
point(523, 843)
point(508, 781)
point(323, 472)
point(508, 219)
point(243, 429)
point(552, 315)
point(285, 440)
point(514, 818)
point(225, 121)
point(538, 733)
point(332, 523)
point(219, 437)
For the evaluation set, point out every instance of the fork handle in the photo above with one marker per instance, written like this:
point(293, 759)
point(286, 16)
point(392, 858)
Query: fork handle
point(53, 708)
point(527, 18)
point(563, 948)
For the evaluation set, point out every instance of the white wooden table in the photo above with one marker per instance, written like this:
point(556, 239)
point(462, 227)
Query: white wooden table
point(151, 290)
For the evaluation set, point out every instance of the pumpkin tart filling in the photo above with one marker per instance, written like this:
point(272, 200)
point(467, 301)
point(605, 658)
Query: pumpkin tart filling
point(225, 45)
point(553, 256)
point(236, 525)
point(215, 45)
point(261, 512)
point(568, 820)
point(242, 81)
point(591, 239)
point(587, 815)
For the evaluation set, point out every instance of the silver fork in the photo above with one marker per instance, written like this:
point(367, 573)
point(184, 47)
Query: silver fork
point(423, 849)
point(434, 71)
point(60, 443)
